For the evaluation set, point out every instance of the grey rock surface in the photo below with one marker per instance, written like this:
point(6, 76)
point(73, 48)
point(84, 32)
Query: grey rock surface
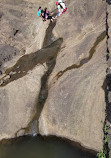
point(21, 33)
point(21, 30)
point(75, 107)
point(83, 23)
point(18, 102)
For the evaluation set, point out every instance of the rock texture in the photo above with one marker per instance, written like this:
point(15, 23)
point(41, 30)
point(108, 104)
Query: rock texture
point(18, 102)
point(21, 33)
point(75, 107)
point(21, 30)
point(108, 76)
point(83, 23)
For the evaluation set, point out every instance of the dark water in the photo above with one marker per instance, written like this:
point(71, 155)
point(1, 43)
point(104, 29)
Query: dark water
point(39, 147)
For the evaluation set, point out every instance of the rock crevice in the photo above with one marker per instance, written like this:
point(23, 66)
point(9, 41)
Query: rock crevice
point(108, 77)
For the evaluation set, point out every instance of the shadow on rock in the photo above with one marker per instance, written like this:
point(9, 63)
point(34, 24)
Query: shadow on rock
point(108, 97)
point(108, 1)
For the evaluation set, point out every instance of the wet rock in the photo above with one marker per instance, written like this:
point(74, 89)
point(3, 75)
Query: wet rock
point(24, 32)
point(20, 133)
point(75, 107)
point(79, 31)
point(18, 102)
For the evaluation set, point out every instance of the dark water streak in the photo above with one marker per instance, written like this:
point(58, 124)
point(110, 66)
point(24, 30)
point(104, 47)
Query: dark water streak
point(29, 61)
point(87, 59)
point(50, 62)
point(42, 147)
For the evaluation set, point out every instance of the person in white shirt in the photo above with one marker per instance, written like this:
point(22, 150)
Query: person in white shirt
point(61, 7)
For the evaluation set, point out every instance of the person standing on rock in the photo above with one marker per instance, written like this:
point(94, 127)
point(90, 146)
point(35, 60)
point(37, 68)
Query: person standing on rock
point(61, 7)
point(39, 12)
point(46, 15)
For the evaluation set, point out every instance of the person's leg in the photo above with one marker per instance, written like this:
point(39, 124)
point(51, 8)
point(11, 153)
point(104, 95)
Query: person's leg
point(50, 18)
point(59, 8)
point(57, 16)
point(53, 18)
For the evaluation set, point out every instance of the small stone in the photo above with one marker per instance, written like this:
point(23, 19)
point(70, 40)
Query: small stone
point(12, 73)
point(18, 67)
point(7, 77)
point(20, 133)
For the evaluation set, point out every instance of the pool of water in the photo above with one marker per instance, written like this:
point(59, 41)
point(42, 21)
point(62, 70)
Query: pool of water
point(40, 147)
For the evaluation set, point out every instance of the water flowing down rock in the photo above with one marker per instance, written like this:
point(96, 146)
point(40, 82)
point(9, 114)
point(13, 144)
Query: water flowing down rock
point(75, 107)
point(71, 79)
point(18, 103)
point(23, 33)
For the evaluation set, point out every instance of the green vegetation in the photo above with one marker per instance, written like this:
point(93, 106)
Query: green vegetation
point(101, 155)
point(106, 129)
point(105, 139)
point(105, 153)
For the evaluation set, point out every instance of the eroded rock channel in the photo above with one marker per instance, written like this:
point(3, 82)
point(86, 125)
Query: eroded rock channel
point(39, 146)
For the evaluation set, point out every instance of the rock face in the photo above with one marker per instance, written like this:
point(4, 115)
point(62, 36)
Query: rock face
point(21, 30)
point(83, 23)
point(18, 102)
point(75, 107)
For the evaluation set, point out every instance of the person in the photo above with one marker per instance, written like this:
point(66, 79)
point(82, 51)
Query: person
point(39, 12)
point(46, 15)
point(61, 7)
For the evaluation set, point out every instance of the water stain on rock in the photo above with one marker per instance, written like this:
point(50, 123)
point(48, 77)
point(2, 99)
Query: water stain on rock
point(87, 59)
point(28, 62)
